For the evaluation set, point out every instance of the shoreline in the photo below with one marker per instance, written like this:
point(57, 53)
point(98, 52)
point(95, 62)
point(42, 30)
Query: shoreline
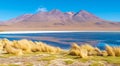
point(20, 32)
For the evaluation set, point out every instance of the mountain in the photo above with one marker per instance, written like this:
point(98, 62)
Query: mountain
point(19, 18)
point(57, 20)
point(84, 16)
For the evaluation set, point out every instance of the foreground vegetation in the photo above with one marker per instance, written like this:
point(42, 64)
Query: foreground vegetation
point(83, 53)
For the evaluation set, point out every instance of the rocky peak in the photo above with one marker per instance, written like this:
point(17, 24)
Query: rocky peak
point(70, 13)
point(84, 16)
point(55, 12)
point(83, 12)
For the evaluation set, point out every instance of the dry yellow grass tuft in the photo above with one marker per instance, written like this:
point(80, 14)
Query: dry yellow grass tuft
point(98, 51)
point(75, 46)
point(11, 50)
point(109, 50)
point(87, 50)
point(91, 50)
point(42, 47)
point(87, 47)
point(116, 51)
point(78, 51)
point(1, 46)
point(25, 46)
point(104, 53)
point(113, 51)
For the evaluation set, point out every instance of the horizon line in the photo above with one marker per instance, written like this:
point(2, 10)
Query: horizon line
point(27, 32)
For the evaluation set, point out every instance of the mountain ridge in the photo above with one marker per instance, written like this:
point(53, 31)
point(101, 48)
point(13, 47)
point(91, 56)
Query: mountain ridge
point(82, 14)
point(57, 20)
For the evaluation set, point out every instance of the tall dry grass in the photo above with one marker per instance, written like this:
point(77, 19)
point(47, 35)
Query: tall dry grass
point(1, 46)
point(86, 50)
point(42, 47)
point(20, 47)
point(104, 53)
point(87, 47)
point(78, 51)
point(110, 50)
point(24, 45)
point(113, 51)
point(12, 50)
point(116, 51)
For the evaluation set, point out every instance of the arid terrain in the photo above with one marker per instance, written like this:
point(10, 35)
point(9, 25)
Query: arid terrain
point(44, 59)
point(28, 53)
point(56, 20)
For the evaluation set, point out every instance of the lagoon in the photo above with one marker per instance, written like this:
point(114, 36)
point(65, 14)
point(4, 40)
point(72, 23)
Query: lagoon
point(65, 39)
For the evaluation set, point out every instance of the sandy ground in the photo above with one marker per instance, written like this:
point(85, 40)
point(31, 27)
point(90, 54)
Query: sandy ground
point(58, 28)
point(34, 61)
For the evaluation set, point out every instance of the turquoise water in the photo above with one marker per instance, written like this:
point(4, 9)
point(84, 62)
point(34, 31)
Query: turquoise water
point(64, 40)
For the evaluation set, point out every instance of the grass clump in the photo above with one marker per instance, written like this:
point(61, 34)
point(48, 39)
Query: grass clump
point(28, 64)
point(12, 50)
point(92, 51)
point(68, 61)
point(104, 53)
point(48, 58)
point(109, 50)
point(77, 51)
point(84, 60)
point(42, 47)
point(84, 50)
point(87, 47)
point(25, 46)
point(116, 51)
point(114, 60)
point(113, 51)
point(97, 64)
point(13, 65)
point(70, 57)
point(6, 55)
point(109, 59)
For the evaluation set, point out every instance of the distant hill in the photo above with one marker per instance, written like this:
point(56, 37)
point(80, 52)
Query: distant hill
point(57, 20)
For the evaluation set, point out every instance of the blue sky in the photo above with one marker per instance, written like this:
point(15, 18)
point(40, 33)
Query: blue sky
point(106, 9)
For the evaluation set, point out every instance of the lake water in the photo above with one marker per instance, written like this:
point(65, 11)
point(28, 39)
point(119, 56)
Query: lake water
point(64, 40)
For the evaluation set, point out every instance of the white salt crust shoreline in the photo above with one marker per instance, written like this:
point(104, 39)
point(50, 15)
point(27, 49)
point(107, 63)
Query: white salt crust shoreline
point(20, 32)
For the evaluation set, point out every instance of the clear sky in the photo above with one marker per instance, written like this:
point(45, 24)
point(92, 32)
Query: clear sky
point(106, 9)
